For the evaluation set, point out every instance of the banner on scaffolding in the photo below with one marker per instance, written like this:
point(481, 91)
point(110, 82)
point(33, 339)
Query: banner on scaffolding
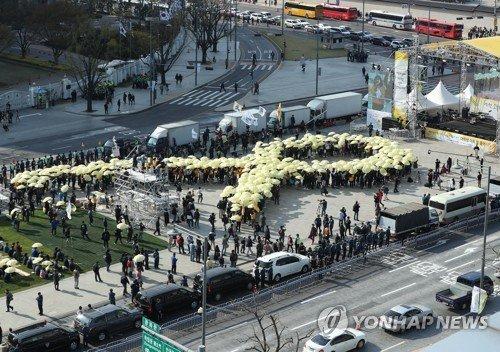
point(400, 86)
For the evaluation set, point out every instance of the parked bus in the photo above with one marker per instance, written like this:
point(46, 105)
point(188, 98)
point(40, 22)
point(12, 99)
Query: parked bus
point(393, 20)
point(304, 10)
point(459, 203)
point(340, 13)
point(439, 28)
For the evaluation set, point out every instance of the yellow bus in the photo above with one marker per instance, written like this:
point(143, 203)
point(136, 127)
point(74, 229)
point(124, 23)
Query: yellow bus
point(304, 10)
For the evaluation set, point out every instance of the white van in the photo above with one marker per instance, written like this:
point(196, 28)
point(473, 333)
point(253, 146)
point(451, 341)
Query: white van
point(283, 264)
point(462, 202)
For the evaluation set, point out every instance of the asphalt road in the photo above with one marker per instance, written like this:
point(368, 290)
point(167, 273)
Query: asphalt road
point(399, 278)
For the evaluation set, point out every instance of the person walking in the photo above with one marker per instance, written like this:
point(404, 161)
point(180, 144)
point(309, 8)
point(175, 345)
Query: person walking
point(236, 87)
point(355, 209)
point(9, 297)
point(124, 281)
point(156, 259)
point(112, 297)
point(479, 177)
point(97, 275)
point(222, 87)
point(57, 278)
point(39, 302)
point(107, 259)
point(76, 278)
point(174, 264)
point(157, 227)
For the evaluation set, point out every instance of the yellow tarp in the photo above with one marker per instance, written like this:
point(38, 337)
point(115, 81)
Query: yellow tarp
point(489, 45)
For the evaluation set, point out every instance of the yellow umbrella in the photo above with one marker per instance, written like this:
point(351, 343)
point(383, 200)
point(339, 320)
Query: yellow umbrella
point(4, 261)
point(36, 245)
point(15, 210)
point(47, 199)
point(10, 270)
point(139, 258)
point(122, 226)
point(37, 260)
point(21, 187)
point(12, 262)
point(46, 263)
point(236, 217)
point(60, 203)
point(64, 188)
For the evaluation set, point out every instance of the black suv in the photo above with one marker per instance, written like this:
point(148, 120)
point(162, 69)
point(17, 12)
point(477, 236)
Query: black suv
point(101, 323)
point(43, 337)
point(223, 281)
point(160, 300)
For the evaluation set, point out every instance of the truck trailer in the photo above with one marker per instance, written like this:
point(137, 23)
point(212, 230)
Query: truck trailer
point(170, 134)
point(300, 113)
point(334, 106)
point(408, 218)
point(232, 121)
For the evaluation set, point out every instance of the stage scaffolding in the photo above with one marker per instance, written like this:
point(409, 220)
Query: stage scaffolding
point(145, 194)
point(466, 55)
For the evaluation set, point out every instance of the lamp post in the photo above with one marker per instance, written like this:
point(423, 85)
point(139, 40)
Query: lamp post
point(428, 25)
point(485, 228)
point(282, 17)
point(204, 294)
point(235, 27)
point(363, 27)
point(317, 60)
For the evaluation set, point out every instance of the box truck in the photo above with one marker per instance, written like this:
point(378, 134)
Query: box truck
point(232, 121)
point(300, 113)
point(408, 218)
point(170, 134)
point(335, 105)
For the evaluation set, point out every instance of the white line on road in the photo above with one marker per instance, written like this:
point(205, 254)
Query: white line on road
point(391, 347)
point(399, 289)
point(459, 256)
point(305, 324)
point(439, 243)
point(227, 329)
point(316, 297)
point(404, 266)
point(35, 114)
point(467, 244)
point(66, 146)
point(472, 261)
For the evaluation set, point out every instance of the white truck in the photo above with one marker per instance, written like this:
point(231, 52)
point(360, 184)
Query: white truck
point(335, 105)
point(232, 121)
point(170, 134)
point(300, 113)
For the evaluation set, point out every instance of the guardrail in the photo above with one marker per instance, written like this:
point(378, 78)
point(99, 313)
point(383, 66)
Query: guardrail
point(242, 304)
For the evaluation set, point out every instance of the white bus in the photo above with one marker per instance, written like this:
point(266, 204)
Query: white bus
point(393, 20)
point(458, 203)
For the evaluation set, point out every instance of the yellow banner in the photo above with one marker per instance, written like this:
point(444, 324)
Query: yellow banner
point(487, 146)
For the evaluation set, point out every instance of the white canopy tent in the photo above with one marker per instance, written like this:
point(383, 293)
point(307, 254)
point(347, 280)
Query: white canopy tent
point(440, 96)
point(466, 95)
point(422, 103)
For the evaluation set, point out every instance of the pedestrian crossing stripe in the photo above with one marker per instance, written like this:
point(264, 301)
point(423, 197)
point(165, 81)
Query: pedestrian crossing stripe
point(260, 67)
point(209, 98)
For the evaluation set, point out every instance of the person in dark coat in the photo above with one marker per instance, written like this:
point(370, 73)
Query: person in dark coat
point(39, 302)
point(112, 297)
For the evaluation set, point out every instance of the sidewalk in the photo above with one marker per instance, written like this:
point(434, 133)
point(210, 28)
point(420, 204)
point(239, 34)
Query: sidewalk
point(288, 82)
point(142, 96)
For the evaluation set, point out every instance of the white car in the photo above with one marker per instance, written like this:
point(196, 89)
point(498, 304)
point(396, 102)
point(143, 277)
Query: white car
point(324, 27)
point(404, 316)
point(283, 264)
point(303, 23)
point(257, 17)
point(292, 24)
point(396, 44)
point(337, 341)
point(266, 14)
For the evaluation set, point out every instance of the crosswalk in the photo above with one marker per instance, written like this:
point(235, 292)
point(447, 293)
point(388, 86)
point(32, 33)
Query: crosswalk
point(206, 97)
point(259, 67)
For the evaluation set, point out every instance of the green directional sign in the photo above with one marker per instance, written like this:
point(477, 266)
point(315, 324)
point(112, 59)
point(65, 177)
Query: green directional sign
point(151, 325)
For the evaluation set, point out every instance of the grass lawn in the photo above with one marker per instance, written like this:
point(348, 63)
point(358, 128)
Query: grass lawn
point(14, 72)
point(297, 46)
point(84, 252)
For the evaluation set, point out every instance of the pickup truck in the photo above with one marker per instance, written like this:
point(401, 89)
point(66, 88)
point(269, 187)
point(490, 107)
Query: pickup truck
point(459, 295)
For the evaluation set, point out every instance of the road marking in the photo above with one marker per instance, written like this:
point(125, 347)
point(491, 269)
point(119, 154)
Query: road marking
point(399, 289)
point(472, 261)
point(404, 266)
point(66, 146)
point(391, 347)
point(439, 243)
point(467, 252)
point(227, 329)
point(467, 244)
point(305, 324)
point(35, 114)
point(319, 296)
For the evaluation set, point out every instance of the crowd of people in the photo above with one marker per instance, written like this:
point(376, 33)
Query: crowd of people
point(8, 117)
point(480, 32)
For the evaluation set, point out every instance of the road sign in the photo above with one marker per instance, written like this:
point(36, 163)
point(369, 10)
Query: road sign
point(151, 325)
point(152, 343)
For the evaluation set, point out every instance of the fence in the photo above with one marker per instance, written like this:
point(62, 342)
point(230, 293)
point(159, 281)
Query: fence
point(241, 305)
point(62, 89)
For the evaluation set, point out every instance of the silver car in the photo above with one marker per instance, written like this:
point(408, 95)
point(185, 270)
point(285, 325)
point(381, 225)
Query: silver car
point(406, 316)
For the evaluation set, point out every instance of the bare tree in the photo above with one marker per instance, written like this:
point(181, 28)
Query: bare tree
point(90, 46)
point(18, 14)
point(269, 335)
point(207, 23)
point(6, 38)
point(56, 23)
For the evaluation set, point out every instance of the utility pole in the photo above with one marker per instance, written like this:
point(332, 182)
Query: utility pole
point(282, 17)
point(317, 60)
point(235, 26)
point(428, 25)
point(204, 295)
point(363, 28)
point(151, 59)
point(495, 23)
point(196, 52)
point(485, 227)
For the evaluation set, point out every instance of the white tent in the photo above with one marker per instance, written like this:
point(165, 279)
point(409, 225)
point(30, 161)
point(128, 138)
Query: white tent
point(466, 95)
point(441, 96)
point(422, 103)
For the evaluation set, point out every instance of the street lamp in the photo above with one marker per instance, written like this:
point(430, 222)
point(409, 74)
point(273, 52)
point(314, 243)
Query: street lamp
point(363, 28)
point(485, 227)
point(317, 59)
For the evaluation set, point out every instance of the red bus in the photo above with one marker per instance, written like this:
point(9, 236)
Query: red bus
point(439, 28)
point(339, 12)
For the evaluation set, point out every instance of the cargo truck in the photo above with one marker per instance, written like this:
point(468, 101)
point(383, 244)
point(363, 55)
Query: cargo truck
point(232, 121)
point(459, 295)
point(300, 113)
point(335, 106)
point(176, 133)
point(408, 218)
